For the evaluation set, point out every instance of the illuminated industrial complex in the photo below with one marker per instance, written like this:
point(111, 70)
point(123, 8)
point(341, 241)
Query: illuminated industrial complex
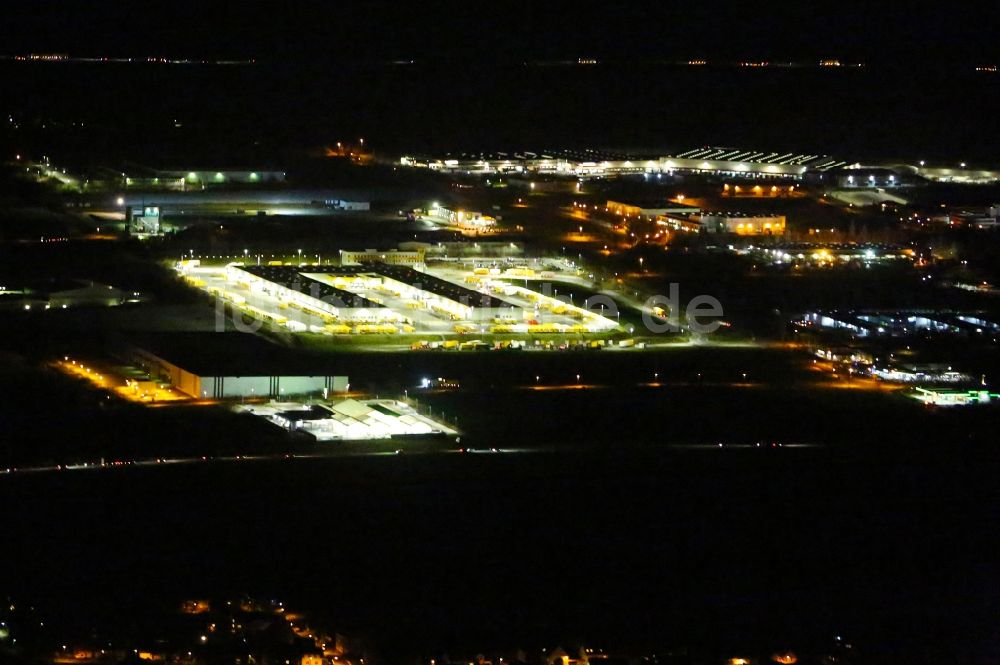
point(389, 299)
point(595, 163)
point(706, 160)
point(349, 419)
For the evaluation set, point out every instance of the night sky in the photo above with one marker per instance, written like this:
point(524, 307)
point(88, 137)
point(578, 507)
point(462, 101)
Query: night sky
point(901, 33)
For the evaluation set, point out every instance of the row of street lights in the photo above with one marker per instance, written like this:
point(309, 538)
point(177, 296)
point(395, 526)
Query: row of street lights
point(246, 255)
point(656, 377)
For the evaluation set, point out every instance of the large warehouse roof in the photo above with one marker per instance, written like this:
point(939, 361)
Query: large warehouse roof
point(292, 277)
point(437, 286)
point(233, 354)
point(289, 276)
point(815, 162)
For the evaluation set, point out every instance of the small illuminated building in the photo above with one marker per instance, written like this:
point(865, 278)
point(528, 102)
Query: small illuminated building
point(473, 221)
point(740, 224)
point(224, 176)
point(468, 220)
point(868, 177)
point(143, 221)
point(195, 606)
point(510, 251)
point(984, 220)
point(581, 655)
point(394, 257)
point(678, 223)
point(901, 323)
point(146, 178)
point(350, 206)
point(831, 253)
point(846, 354)
point(350, 419)
point(919, 373)
point(756, 191)
point(63, 294)
point(647, 208)
point(942, 397)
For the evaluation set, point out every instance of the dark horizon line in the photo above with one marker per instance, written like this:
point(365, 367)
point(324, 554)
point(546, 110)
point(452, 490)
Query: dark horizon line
point(56, 56)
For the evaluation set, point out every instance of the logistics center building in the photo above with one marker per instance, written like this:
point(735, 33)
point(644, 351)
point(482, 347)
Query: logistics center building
point(230, 365)
point(359, 293)
point(599, 163)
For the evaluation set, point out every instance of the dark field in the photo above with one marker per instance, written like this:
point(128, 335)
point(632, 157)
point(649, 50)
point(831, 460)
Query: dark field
point(269, 109)
point(628, 546)
point(607, 526)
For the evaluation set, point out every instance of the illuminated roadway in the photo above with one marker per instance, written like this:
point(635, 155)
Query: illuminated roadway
point(175, 461)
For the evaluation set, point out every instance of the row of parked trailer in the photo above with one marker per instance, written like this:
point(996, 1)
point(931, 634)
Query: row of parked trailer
point(515, 344)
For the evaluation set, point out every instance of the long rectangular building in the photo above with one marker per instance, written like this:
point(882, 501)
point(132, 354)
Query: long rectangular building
point(228, 366)
point(356, 291)
point(597, 163)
